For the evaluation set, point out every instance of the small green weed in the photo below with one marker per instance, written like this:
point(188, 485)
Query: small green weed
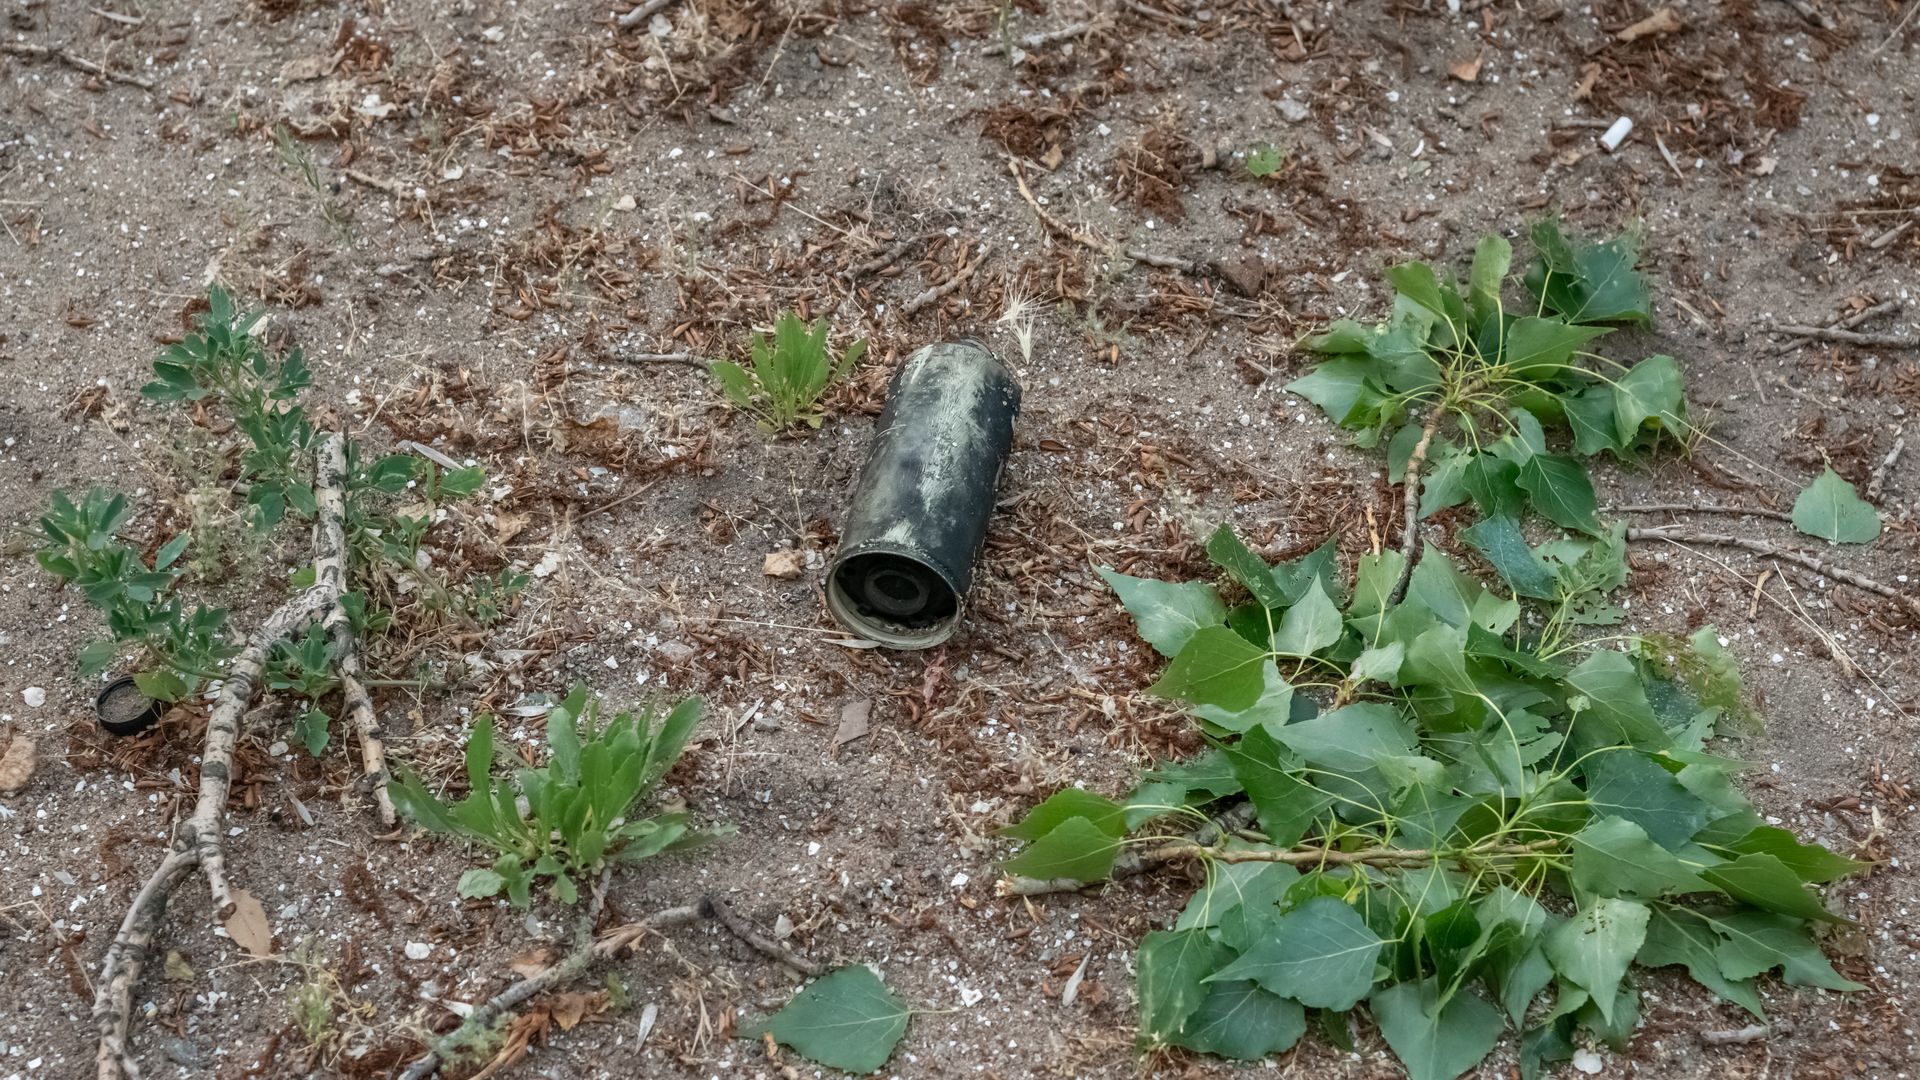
point(1265, 160)
point(788, 376)
point(299, 160)
point(579, 806)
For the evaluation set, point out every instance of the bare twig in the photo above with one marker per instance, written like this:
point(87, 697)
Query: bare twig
point(78, 63)
point(591, 952)
point(642, 13)
point(1811, 14)
point(763, 944)
point(1737, 1036)
point(115, 16)
point(197, 838)
point(1687, 508)
point(881, 261)
point(1164, 262)
point(1848, 337)
point(1053, 224)
point(358, 713)
point(947, 287)
point(396, 188)
point(1885, 307)
point(1877, 483)
point(1899, 28)
point(1182, 21)
point(1885, 239)
point(1410, 507)
point(1041, 39)
point(1678, 534)
point(659, 358)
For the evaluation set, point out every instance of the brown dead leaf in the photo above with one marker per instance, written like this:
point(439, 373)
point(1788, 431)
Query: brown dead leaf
point(310, 67)
point(521, 1033)
point(248, 924)
point(1663, 21)
point(1589, 75)
point(177, 967)
point(854, 721)
point(532, 962)
point(571, 1008)
point(1467, 70)
point(786, 564)
point(506, 526)
point(16, 765)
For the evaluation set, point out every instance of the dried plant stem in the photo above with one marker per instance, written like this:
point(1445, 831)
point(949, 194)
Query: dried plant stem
point(766, 946)
point(1704, 508)
point(1410, 507)
point(1849, 337)
point(946, 288)
point(197, 838)
point(1053, 225)
point(78, 63)
point(881, 261)
point(1319, 856)
point(1681, 535)
point(1041, 39)
point(1877, 483)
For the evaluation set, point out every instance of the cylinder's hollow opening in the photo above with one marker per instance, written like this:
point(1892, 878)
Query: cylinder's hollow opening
point(895, 589)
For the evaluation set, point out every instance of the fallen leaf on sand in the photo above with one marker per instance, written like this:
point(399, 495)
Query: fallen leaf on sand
point(310, 67)
point(531, 963)
point(248, 924)
point(1466, 70)
point(177, 967)
point(16, 765)
point(1663, 21)
point(854, 717)
point(785, 564)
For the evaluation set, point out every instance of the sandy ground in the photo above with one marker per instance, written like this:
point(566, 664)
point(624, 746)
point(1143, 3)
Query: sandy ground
point(513, 197)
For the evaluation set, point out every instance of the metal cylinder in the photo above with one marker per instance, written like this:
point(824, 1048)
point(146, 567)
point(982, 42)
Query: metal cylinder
point(919, 512)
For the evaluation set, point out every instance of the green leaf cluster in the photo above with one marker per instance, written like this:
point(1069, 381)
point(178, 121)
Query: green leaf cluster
point(581, 809)
point(180, 646)
point(1493, 381)
point(1460, 827)
point(788, 376)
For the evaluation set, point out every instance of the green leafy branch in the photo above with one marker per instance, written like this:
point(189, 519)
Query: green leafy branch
point(1460, 825)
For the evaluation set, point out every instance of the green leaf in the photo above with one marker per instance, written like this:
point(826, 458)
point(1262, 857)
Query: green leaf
point(1679, 936)
point(1492, 258)
point(1347, 390)
point(1417, 282)
point(1500, 540)
point(1755, 942)
point(845, 1020)
point(1103, 813)
point(310, 728)
point(1538, 349)
point(1168, 614)
point(1615, 857)
point(1809, 862)
point(1350, 739)
point(1310, 625)
point(1171, 968)
point(1076, 848)
point(1616, 710)
point(1830, 509)
point(1215, 667)
point(1319, 954)
point(1240, 1020)
point(1595, 948)
point(1652, 392)
point(1264, 160)
point(1628, 784)
point(161, 685)
point(1287, 804)
point(1494, 485)
point(1436, 1040)
point(1559, 489)
point(481, 882)
point(1271, 709)
point(1229, 553)
point(170, 551)
point(1590, 413)
point(1590, 283)
point(1765, 882)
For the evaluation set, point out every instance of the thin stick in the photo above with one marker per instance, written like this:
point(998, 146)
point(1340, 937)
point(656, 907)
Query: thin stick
point(1876, 484)
point(197, 839)
point(946, 288)
point(1811, 14)
point(660, 358)
point(1182, 21)
point(642, 13)
point(397, 189)
point(330, 495)
point(1052, 224)
point(1685, 508)
point(1848, 337)
point(591, 952)
point(1164, 262)
point(766, 946)
point(881, 261)
point(78, 63)
point(1899, 29)
point(1678, 534)
point(1410, 506)
point(1041, 40)
point(1737, 1036)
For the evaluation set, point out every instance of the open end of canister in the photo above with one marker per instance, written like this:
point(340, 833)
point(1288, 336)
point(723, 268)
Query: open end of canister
point(893, 599)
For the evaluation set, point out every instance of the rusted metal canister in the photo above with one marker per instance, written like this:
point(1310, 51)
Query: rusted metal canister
point(919, 513)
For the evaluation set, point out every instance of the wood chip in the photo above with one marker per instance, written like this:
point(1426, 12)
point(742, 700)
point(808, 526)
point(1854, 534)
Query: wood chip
point(248, 924)
point(16, 765)
point(787, 564)
point(1467, 70)
point(854, 720)
point(1663, 21)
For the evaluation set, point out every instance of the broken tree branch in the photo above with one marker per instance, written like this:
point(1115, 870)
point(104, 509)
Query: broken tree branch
point(1679, 534)
point(197, 838)
point(1410, 508)
point(881, 261)
point(642, 13)
point(1849, 337)
point(1703, 508)
point(358, 713)
point(1877, 483)
point(78, 63)
point(1041, 39)
point(761, 943)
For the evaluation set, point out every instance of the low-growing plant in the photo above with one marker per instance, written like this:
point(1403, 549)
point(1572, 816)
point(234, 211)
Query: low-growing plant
point(180, 646)
point(1448, 820)
point(1265, 160)
point(788, 376)
point(1463, 391)
point(580, 808)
